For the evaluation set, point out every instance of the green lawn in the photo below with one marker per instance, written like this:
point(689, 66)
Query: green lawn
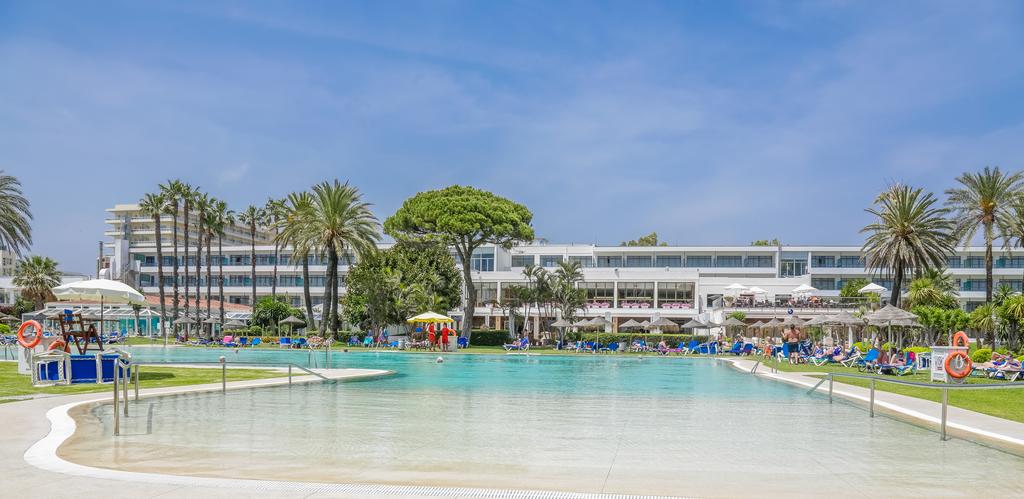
point(14, 384)
point(1007, 404)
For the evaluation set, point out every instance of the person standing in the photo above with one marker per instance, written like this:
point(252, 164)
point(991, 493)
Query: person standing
point(431, 336)
point(445, 332)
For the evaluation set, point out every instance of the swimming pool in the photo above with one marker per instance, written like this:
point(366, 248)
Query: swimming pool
point(670, 426)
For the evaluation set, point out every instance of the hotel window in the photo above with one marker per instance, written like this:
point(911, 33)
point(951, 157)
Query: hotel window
point(973, 285)
point(953, 262)
point(317, 281)
point(522, 260)
point(1011, 262)
point(264, 280)
point(482, 262)
point(146, 280)
point(599, 291)
point(284, 259)
point(699, 261)
point(675, 292)
point(729, 261)
point(824, 261)
point(237, 280)
point(824, 283)
point(149, 261)
point(486, 292)
point(239, 259)
point(668, 261)
point(550, 260)
point(264, 259)
point(850, 262)
point(349, 259)
point(760, 261)
point(974, 262)
point(636, 292)
point(885, 283)
point(638, 261)
point(1014, 284)
point(584, 261)
point(289, 280)
point(793, 265)
point(609, 261)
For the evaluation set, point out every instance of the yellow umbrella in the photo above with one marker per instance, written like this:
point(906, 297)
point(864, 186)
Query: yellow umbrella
point(430, 318)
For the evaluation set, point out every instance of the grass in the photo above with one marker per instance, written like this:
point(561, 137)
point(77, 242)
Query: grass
point(13, 384)
point(1006, 404)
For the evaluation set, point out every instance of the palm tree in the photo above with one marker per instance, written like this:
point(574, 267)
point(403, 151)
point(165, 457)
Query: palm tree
point(984, 319)
point(171, 192)
point(155, 205)
point(298, 207)
point(201, 207)
point(36, 276)
point(15, 230)
point(223, 218)
point(210, 221)
point(909, 232)
point(984, 200)
point(1013, 226)
point(274, 210)
point(253, 216)
point(338, 220)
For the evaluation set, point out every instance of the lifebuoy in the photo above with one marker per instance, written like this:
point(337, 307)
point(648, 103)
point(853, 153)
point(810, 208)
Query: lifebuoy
point(57, 344)
point(35, 340)
point(960, 339)
point(964, 371)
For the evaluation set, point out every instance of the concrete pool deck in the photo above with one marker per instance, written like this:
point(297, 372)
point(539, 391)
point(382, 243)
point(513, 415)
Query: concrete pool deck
point(988, 430)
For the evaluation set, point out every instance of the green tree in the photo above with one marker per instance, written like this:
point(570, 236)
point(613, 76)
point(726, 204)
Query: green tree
point(201, 210)
point(466, 219)
point(375, 297)
point(171, 192)
point(36, 276)
point(430, 266)
point(15, 216)
point(766, 242)
point(1011, 312)
point(566, 292)
point(187, 194)
point(275, 211)
point(986, 320)
point(648, 240)
point(909, 232)
point(984, 200)
point(252, 217)
point(925, 291)
point(338, 220)
point(298, 209)
point(222, 219)
point(271, 310)
point(155, 205)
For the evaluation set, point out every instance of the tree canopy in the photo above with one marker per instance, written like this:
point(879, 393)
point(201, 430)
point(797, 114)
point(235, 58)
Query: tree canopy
point(648, 240)
point(464, 218)
point(766, 242)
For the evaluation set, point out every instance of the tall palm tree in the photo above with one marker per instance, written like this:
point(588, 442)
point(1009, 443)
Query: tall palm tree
point(201, 207)
point(253, 216)
point(274, 210)
point(209, 224)
point(297, 211)
point(155, 205)
point(171, 191)
point(1013, 226)
point(223, 218)
point(338, 220)
point(909, 232)
point(187, 194)
point(15, 230)
point(984, 201)
point(36, 276)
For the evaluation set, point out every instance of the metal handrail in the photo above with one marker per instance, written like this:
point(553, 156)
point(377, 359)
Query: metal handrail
point(830, 377)
point(237, 364)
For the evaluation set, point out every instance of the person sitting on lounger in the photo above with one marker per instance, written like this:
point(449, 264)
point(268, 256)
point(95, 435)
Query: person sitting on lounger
point(663, 347)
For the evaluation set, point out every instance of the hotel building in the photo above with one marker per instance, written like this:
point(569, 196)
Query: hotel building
point(677, 282)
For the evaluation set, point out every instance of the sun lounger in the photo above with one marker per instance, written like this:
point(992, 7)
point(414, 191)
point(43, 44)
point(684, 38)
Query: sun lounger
point(737, 348)
point(285, 342)
point(521, 344)
point(243, 341)
point(870, 361)
point(255, 342)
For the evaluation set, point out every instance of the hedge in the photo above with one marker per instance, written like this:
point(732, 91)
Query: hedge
point(489, 337)
point(981, 355)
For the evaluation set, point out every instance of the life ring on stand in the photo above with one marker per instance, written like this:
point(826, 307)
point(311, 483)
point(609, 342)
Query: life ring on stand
point(35, 340)
point(59, 344)
point(960, 339)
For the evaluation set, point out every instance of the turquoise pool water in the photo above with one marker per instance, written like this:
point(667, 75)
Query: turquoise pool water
point(669, 426)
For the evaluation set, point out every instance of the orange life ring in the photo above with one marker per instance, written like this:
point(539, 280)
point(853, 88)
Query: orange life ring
point(964, 371)
point(57, 344)
point(38, 337)
point(960, 339)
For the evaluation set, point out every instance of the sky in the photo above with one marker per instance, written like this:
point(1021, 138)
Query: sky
point(710, 122)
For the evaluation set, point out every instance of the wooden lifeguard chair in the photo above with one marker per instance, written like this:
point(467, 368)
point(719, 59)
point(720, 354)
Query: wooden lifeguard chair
point(82, 331)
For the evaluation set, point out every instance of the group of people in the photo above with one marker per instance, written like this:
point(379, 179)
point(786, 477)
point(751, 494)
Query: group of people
point(438, 339)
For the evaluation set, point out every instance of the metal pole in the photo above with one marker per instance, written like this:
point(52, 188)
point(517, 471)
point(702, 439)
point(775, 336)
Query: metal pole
point(289, 375)
point(872, 405)
point(830, 380)
point(223, 375)
point(125, 383)
point(945, 405)
point(135, 372)
point(117, 412)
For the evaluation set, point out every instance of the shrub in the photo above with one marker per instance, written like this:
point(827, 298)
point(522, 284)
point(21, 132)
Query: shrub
point(5, 329)
point(981, 355)
point(1003, 351)
point(863, 346)
point(919, 349)
point(489, 337)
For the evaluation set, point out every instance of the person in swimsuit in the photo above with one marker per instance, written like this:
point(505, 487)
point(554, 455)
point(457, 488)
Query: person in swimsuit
point(793, 341)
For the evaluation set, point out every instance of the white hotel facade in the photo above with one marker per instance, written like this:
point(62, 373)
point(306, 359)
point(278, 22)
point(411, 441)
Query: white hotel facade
point(677, 282)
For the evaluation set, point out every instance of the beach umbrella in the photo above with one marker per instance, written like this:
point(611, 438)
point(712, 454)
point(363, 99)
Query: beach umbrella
point(561, 324)
point(234, 325)
point(845, 318)
point(8, 318)
point(599, 323)
point(890, 316)
point(757, 291)
point(693, 324)
point(428, 318)
point(630, 324)
point(872, 288)
point(663, 323)
point(102, 290)
point(733, 322)
point(804, 288)
point(291, 320)
point(793, 320)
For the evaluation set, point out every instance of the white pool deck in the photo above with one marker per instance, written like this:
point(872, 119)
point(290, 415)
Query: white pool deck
point(33, 429)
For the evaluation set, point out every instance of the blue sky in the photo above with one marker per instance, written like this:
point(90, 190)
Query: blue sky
point(708, 122)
